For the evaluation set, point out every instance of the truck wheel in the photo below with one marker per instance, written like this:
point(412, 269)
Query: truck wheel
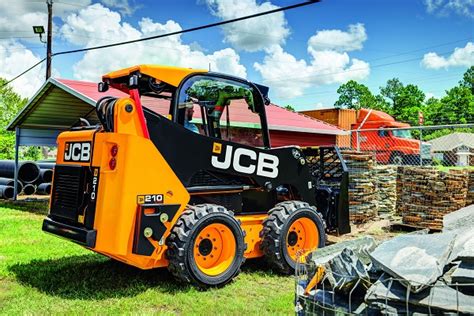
point(397, 159)
point(293, 228)
point(206, 246)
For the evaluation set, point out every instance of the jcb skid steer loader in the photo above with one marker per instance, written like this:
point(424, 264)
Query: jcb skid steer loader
point(143, 189)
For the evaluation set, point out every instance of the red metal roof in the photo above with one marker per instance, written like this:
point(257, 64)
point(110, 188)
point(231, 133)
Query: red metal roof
point(278, 117)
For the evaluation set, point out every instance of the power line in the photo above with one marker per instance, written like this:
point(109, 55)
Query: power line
point(193, 29)
point(297, 5)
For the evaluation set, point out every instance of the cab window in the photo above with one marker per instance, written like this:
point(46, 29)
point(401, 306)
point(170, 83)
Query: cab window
point(220, 108)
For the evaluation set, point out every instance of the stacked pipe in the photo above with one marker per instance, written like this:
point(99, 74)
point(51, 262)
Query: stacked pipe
point(33, 178)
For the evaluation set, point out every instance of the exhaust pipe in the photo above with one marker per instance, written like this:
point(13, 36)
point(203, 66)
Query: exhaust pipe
point(28, 171)
point(29, 189)
point(46, 175)
point(11, 183)
point(6, 192)
point(44, 189)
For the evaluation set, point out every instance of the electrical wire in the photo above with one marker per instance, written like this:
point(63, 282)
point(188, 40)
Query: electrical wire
point(193, 29)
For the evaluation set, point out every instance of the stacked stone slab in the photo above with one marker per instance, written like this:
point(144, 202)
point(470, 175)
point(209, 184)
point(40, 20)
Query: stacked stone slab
point(470, 192)
point(362, 186)
point(425, 194)
point(386, 184)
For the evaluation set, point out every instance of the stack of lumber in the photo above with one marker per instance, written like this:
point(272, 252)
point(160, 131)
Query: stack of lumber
point(425, 195)
point(362, 186)
point(386, 184)
point(470, 192)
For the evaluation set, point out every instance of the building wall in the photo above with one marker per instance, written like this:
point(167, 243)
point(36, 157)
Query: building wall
point(342, 118)
point(282, 138)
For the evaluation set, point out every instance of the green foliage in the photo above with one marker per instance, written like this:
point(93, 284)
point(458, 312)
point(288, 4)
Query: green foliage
point(353, 95)
point(468, 79)
point(404, 102)
point(7, 145)
point(290, 108)
point(10, 104)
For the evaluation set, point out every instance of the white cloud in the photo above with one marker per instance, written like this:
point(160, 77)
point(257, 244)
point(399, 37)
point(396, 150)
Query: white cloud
point(329, 63)
point(81, 29)
point(122, 5)
point(339, 40)
point(445, 7)
point(14, 58)
point(461, 57)
point(252, 34)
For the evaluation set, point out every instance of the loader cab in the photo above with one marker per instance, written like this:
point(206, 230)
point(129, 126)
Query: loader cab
point(217, 99)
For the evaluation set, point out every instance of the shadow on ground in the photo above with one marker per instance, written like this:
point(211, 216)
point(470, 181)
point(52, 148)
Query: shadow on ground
point(34, 206)
point(95, 277)
point(92, 277)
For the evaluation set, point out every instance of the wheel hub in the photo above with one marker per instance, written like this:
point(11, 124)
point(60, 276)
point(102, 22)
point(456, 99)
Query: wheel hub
point(292, 238)
point(205, 247)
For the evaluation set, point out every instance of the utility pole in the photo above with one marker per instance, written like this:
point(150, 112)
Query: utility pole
point(50, 38)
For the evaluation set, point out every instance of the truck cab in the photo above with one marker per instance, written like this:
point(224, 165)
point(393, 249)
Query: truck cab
point(391, 141)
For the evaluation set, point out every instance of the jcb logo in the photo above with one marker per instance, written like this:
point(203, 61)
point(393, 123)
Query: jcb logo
point(77, 152)
point(245, 161)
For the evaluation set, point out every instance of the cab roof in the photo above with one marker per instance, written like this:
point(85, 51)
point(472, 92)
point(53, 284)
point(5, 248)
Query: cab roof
point(170, 75)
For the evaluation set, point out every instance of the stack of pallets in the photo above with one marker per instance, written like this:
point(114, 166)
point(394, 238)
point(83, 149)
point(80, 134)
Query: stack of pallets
point(362, 186)
point(386, 183)
point(425, 195)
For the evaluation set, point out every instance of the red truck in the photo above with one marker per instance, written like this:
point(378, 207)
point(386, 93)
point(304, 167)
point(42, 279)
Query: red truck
point(378, 132)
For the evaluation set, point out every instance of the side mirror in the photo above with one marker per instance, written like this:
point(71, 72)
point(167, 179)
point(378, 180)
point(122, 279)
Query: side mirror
point(103, 86)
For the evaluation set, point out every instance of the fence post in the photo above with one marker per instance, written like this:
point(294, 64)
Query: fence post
point(358, 140)
point(421, 146)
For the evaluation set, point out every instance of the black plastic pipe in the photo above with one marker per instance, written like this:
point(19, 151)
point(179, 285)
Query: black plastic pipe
point(29, 189)
point(46, 164)
point(28, 171)
point(6, 192)
point(44, 189)
point(46, 175)
point(11, 183)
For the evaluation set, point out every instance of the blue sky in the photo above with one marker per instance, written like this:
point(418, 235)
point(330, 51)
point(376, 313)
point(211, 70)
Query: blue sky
point(303, 54)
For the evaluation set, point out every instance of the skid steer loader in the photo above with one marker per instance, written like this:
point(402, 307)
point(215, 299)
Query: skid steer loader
point(143, 189)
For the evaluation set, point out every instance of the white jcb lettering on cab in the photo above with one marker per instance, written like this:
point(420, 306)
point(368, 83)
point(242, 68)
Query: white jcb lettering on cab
point(246, 161)
point(80, 152)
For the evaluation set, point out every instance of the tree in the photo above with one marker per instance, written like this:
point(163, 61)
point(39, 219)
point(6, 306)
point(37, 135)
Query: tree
point(10, 104)
point(404, 101)
point(353, 95)
point(290, 108)
point(468, 79)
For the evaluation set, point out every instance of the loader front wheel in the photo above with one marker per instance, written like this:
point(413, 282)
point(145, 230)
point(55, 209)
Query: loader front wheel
point(206, 246)
point(292, 229)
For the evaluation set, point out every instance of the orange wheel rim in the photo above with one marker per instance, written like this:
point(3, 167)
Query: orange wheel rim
point(214, 249)
point(302, 237)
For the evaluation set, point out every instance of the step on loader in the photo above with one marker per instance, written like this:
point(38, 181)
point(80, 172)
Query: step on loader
point(160, 191)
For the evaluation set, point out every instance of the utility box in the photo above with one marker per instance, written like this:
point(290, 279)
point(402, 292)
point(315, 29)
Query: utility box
point(342, 118)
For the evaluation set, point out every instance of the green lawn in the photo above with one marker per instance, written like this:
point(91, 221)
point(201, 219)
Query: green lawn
point(42, 274)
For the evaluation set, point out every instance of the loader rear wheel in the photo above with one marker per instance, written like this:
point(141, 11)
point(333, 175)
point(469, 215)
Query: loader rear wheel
point(292, 229)
point(206, 246)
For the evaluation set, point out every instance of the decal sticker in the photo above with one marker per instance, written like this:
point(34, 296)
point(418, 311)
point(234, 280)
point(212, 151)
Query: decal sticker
point(150, 199)
point(77, 151)
point(217, 148)
point(261, 164)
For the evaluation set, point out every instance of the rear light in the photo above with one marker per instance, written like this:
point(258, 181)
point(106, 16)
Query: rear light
point(112, 163)
point(114, 150)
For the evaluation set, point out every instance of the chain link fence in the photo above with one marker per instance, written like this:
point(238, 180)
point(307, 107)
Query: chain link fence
point(440, 145)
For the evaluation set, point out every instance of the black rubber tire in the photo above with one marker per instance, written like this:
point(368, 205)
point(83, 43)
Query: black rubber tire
point(275, 230)
point(182, 238)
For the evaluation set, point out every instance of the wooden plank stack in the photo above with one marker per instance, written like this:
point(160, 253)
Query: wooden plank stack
point(362, 186)
point(386, 184)
point(425, 194)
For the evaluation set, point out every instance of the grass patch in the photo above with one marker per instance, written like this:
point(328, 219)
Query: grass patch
point(43, 274)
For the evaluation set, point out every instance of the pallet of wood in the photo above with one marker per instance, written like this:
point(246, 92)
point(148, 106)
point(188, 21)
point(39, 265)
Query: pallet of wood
point(425, 194)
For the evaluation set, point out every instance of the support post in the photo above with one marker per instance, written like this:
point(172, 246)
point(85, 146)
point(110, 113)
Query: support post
point(49, 38)
point(17, 145)
point(421, 146)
